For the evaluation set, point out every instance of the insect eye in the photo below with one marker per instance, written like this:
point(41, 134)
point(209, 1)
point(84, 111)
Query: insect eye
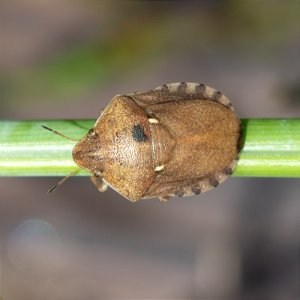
point(98, 173)
point(92, 132)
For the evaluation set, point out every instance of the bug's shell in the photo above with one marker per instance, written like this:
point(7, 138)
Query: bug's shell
point(178, 139)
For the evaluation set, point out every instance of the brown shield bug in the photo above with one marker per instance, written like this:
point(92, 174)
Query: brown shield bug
point(175, 140)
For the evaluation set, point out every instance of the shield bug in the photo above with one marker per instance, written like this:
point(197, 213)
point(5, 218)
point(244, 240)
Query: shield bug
point(175, 140)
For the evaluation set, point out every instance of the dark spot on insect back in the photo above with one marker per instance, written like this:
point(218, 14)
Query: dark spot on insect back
point(182, 87)
point(227, 171)
point(165, 88)
point(200, 88)
point(179, 193)
point(214, 182)
point(217, 95)
point(196, 190)
point(139, 134)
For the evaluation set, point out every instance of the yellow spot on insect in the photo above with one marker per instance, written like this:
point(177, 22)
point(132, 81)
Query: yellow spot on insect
point(153, 121)
point(159, 168)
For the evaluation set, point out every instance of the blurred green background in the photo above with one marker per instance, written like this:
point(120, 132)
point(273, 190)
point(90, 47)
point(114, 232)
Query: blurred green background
point(67, 59)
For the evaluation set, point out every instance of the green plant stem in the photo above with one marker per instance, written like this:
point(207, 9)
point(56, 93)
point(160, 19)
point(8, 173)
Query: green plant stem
point(271, 147)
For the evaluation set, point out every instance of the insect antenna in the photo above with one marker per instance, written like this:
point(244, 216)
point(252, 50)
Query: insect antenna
point(62, 181)
point(60, 134)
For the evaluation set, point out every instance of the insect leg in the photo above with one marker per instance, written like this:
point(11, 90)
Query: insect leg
point(164, 198)
point(99, 183)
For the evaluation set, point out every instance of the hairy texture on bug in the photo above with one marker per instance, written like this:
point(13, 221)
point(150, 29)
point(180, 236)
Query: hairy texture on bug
point(175, 140)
